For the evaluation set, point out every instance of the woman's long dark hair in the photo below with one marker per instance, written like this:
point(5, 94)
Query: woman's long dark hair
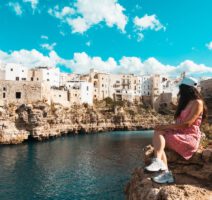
point(187, 94)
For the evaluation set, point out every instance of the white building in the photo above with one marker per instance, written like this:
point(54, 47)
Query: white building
point(2, 74)
point(170, 86)
point(15, 72)
point(65, 77)
point(59, 96)
point(146, 85)
point(100, 82)
point(80, 92)
point(50, 75)
point(130, 87)
point(115, 86)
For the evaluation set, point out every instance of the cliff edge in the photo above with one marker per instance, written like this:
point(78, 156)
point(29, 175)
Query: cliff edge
point(40, 121)
point(193, 178)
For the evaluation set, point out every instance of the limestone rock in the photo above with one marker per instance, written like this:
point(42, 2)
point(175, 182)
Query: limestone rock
point(193, 178)
point(41, 121)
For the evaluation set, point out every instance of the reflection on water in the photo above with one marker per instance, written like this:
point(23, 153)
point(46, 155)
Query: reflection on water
point(86, 167)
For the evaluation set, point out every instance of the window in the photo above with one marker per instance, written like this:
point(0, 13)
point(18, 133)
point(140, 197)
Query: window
point(47, 79)
point(87, 88)
point(37, 79)
point(4, 95)
point(11, 69)
point(22, 70)
point(4, 89)
point(59, 95)
point(23, 79)
point(18, 95)
point(17, 78)
point(31, 78)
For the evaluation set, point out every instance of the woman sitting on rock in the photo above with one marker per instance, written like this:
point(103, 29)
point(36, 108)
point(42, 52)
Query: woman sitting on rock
point(183, 136)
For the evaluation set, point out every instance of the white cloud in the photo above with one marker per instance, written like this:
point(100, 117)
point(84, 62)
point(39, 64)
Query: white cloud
point(148, 22)
point(82, 63)
point(87, 13)
point(140, 37)
point(192, 68)
point(209, 45)
point(31, 58)
point(33, 3)
point(44, 37)
point(78, 25)
point(16, 8)
point(65, 12)
point(62, 33)
point(130, 65)
point(49, 47)
point(88, 43)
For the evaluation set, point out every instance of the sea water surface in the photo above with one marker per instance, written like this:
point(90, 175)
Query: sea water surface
point(87, 167)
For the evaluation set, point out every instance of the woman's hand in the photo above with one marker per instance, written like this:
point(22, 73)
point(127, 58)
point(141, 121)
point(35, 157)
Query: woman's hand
point(160, 127)
point(166, 127)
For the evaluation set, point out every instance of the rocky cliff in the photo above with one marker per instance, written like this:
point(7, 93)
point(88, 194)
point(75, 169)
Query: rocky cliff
point(41, 121)
point(193, 178)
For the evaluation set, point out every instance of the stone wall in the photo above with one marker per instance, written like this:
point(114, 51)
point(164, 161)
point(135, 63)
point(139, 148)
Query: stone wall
point(60, 96)
point(24, 92)
point(20, 92)
point(163, 101)
point(2, 74)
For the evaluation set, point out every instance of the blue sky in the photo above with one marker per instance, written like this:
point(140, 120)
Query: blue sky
point(174, 33)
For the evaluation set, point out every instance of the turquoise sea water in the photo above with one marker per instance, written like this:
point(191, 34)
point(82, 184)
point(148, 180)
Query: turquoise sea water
point(87, 167)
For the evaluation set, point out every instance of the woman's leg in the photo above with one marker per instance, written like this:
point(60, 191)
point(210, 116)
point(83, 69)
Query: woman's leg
point(164, 159)
point(159, 146)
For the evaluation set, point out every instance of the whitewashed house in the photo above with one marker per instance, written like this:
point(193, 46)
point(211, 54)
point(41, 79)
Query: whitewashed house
point(146, 85)
point(65, 77)
point(50, 75)
point(15, 72)
point(80, 92)
point(2, 74)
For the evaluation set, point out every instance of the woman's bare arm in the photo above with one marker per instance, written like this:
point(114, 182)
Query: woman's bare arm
point(197, 108)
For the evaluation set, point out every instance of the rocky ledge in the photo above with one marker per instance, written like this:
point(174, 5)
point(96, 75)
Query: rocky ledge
point(41, 121)
point(193, 178)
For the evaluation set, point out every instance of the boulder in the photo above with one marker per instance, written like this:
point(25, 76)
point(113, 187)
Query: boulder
point(193, 178)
